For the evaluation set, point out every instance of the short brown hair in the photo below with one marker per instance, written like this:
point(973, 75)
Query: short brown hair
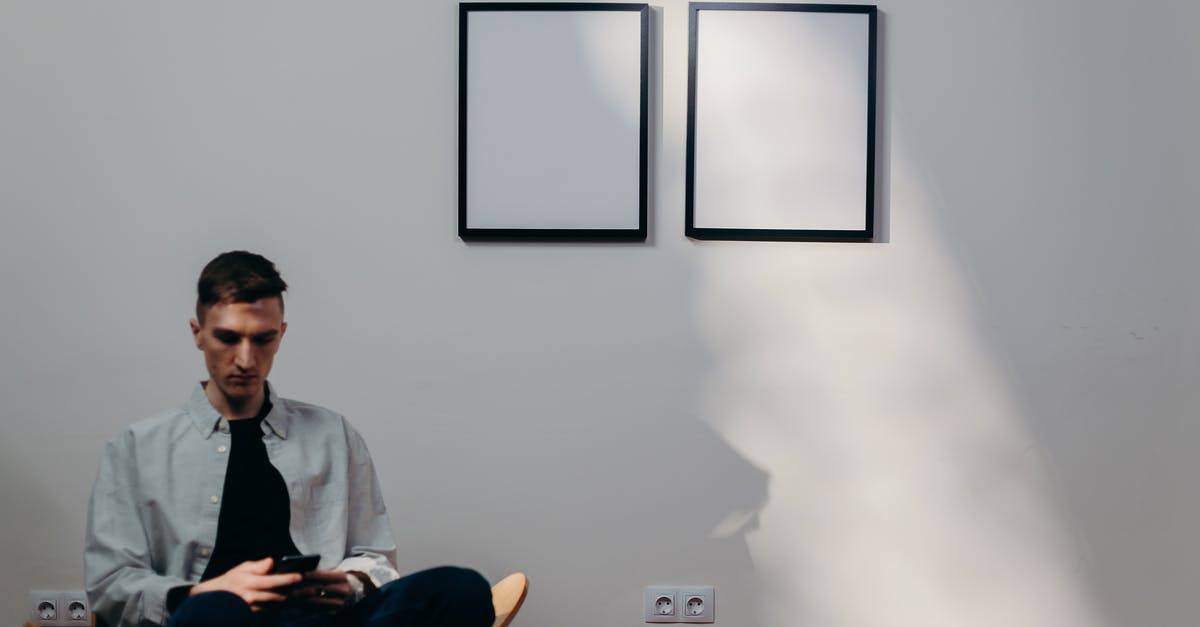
point(237, 276)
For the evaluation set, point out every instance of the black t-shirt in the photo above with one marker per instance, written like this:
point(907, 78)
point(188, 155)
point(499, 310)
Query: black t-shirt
point(256, 508)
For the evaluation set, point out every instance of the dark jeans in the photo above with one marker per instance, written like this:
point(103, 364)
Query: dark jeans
point(444, 596)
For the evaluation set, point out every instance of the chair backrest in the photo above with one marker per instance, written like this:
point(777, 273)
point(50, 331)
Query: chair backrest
point(507, 596)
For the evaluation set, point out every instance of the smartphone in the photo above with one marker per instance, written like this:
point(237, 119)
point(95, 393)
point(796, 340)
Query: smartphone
point(295, 563)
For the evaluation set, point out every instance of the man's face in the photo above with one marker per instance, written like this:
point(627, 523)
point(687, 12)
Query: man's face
point(239, 341)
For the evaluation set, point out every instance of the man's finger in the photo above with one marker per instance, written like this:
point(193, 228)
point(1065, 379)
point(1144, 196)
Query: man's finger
point(247, 565)
point(331, 576)
point(324, 603)
point(262, 596)
point(326, 600)
point(303, 592)
point(339, 591)
point(259, 567)
point(264, 582)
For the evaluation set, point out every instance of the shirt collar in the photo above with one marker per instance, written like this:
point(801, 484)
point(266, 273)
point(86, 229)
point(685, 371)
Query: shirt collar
point(208, 420)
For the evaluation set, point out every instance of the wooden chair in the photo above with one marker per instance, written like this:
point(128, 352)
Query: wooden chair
point(507, 596)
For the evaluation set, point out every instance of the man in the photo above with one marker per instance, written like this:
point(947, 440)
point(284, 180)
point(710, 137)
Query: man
point(192, 507)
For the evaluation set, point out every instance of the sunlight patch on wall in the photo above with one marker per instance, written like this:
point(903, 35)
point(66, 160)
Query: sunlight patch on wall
point(904, 489)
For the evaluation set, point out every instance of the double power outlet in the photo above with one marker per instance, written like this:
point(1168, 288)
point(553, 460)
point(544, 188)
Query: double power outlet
point(56, 608)
point(679, 604)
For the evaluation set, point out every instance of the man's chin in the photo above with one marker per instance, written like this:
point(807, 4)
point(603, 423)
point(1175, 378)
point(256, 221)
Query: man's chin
point(239, 388)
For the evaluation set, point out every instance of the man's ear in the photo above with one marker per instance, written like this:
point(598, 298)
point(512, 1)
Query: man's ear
point(195, 332)
point(282, 329)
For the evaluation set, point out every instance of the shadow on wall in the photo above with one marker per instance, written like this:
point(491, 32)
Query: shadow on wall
point(598, 478)
point(1080, 243)
point(969, 424)
point(906, 487)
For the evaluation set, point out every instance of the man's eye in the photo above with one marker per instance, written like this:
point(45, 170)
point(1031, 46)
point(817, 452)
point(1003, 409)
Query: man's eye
point(232, 339)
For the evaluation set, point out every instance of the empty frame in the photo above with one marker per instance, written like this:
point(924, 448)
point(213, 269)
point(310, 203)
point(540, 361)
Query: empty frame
point(781, 121)
point(552, 121)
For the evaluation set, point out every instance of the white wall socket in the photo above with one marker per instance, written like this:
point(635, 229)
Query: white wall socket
point(59, 608)
point(662, 604)
point(696, 604)
point(679, 604)
point(76, 609)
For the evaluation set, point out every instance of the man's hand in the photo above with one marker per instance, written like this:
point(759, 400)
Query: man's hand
point(326, 590)
point(251, 582)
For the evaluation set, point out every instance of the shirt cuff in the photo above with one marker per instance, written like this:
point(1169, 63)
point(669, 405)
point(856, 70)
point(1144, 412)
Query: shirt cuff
point(357, 587)
point(375, 568)
point(154, 597)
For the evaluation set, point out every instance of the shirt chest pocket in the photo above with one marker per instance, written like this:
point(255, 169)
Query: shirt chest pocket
point(318, 483)
point(316, 492)
point(321, 511)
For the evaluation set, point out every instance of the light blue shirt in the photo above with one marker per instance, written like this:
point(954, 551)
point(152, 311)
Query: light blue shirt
point(152, 517)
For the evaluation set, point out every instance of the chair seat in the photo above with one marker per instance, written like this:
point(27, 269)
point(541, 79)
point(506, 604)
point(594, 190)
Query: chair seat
point(507, 596)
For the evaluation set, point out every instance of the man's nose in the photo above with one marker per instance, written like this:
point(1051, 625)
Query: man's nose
point(245, 356)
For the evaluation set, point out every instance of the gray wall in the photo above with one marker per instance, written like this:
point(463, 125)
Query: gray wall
point(984, 419)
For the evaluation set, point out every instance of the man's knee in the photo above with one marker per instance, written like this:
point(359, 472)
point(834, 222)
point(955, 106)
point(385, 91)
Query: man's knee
point(461, 584)
point(459, 592)
point(212, 609)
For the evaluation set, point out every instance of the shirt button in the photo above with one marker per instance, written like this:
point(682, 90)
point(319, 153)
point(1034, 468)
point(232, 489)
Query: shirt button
point(204, 552)
point(221, 449)
point(213, 499)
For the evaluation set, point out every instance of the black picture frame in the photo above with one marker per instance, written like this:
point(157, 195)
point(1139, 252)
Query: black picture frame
point(475, 233)
point(782, 234)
